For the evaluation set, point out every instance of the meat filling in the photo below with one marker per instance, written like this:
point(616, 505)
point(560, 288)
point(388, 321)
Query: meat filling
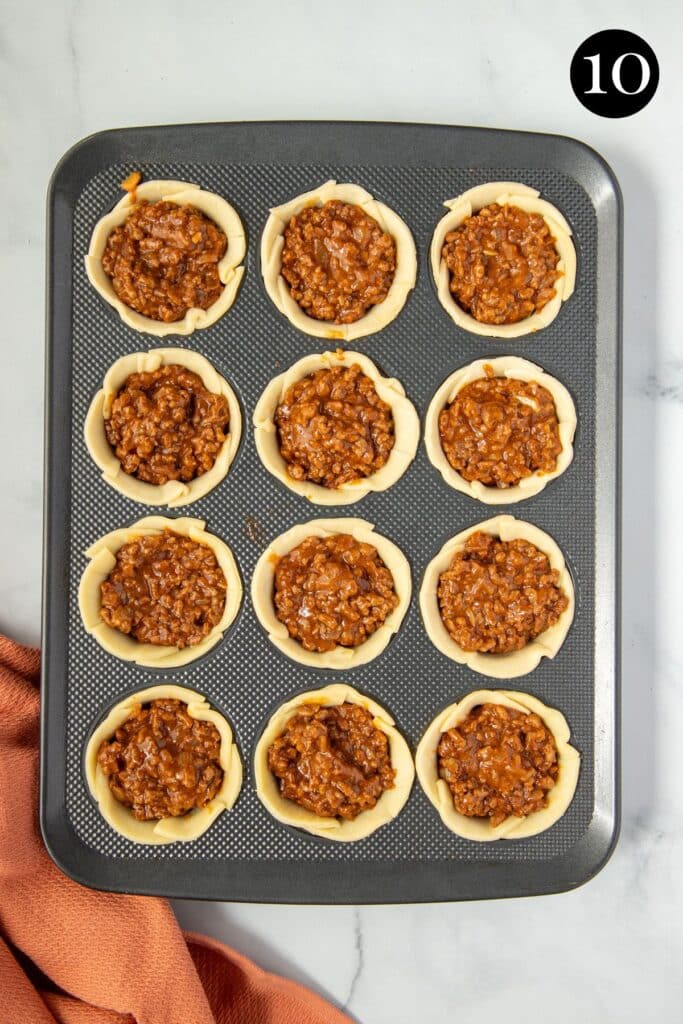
point(332, 761)
point(337, 261)
point(498, 762)
point(161, 762)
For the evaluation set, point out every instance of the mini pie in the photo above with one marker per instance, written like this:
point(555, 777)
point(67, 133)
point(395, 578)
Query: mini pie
point(512, 368)
point(230, 268)
point(481, 829)
point(367, 821)
point(173, 493)
point(102, 555)
point(406, 426)
point(511, 663)
point(378, 315)
point(338, 656)
point(512, 194)
point(169, 829)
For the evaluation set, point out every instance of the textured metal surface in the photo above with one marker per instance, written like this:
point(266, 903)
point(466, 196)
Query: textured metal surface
point(245, 676)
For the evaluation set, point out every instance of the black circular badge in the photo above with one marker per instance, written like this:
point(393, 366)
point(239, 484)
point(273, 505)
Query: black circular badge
point(614, 73)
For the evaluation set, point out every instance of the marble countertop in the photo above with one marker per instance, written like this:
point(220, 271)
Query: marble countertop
point(610, 951)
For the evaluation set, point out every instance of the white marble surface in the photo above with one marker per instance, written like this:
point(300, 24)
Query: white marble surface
point(611, 951)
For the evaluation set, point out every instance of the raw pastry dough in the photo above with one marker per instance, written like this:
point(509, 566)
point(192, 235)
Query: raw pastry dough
point(517, 369)
point(176, 492)
point(230, 269)
point(525, 198)
point(262, 584)
point(291, 813)
point(406, 430)
point(102, 555)
point(377, 317)
point(480, 829)
point(166, 830)
point(512, 663)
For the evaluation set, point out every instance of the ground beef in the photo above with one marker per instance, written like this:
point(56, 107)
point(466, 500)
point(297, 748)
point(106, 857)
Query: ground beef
point(161, 762)
point(337, 261)
point(333, 761)
point(165, 425)
point(498, 431)
point(333, 591)
point(164, 589)
point(497, 596)
point(498, 762)
point(333, 427)
point(163, 260)
point(503, 264)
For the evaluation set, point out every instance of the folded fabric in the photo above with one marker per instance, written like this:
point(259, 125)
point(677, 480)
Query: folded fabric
point(74, 956)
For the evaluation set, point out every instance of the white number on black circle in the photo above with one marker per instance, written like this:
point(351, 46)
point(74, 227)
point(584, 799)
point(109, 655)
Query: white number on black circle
point(595, 88)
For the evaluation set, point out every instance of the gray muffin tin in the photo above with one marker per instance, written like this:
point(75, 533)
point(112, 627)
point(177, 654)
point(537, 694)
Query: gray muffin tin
point(246, 855)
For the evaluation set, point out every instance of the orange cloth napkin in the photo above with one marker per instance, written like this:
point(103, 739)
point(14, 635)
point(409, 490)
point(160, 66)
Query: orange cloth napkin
point(73, 956)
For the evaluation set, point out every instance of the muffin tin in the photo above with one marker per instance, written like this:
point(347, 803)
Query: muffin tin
point(247, 855)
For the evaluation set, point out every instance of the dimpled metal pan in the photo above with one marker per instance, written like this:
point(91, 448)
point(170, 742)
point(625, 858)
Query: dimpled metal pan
point(246, 855)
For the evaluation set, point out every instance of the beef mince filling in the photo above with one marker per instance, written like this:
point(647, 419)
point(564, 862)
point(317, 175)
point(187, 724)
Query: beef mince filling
point(333, 591)
point(498, 762)
point(164, 589)
point(498, 431)
point(333, 761)
point(165, 425)
point(162, 763)
point(333, 427)
point(503, 264)
point(163, 260)
point(337, 261)
point(497, 596)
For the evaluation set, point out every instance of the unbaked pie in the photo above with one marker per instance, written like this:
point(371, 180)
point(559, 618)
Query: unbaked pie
point(332, 762)
point(331, 593)
point(500, 429)
point(161, 592)
point(337, 263)
point(503, 260)
point(162, 765)
point(168, 257)
point(498, 765)
point(333, 429)
point(164, 428)
point(498, 597)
